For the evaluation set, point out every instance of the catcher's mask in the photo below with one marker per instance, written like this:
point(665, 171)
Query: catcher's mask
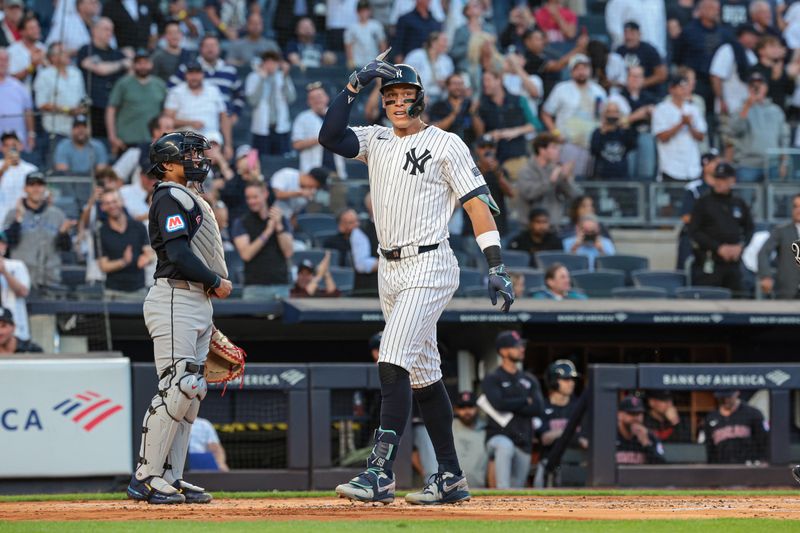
point(187, 148)
point(408, 76)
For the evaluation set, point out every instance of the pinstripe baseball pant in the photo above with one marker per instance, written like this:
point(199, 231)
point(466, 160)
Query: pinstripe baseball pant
point(414, 292)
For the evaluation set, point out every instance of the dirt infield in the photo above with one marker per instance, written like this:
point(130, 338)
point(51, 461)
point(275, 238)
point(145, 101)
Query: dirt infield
point(487, 508)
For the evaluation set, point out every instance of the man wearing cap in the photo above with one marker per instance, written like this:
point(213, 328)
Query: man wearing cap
point(544, 182)
point(269, 90)
point(760, 127)
point(37, 231)
point(27, 56)
point(13, 170)
point(134, 101)
point(15, 284)
point(649, 15)
point(309, 279)
point(637, 52)
point(469, 435)
point(294, 189)
point(497, 179)
point(679, 127)
point(735, 432)
point(514, 398)
point(559, 407)
point(80, 154)
point(663, 419)
point(199, 105)
point(264, 243)
point(720, 228)
point(13, 13)
point(636, 445)
point(305, 134)
point(9, 342)
point(694, 190)
point(572, 111)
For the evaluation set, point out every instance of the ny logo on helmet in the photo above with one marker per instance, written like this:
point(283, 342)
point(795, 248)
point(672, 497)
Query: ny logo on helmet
point(417, 163)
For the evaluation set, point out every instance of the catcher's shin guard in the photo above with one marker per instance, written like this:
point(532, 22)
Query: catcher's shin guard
point(176, 457)
point(180, 385)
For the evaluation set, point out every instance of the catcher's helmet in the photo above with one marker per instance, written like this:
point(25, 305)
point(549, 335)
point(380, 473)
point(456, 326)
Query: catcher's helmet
point(409, 76)
point(186, 148)
point(560, 369)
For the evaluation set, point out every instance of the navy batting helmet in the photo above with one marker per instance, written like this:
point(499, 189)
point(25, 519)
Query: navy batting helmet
point(409, 76)
point(560, 369)
point(186, 148)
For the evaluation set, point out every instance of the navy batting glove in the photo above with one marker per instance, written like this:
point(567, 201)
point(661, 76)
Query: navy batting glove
point(378, 68)
point(500, 282)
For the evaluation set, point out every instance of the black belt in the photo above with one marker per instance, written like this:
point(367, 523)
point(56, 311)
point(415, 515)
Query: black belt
point(395, 254)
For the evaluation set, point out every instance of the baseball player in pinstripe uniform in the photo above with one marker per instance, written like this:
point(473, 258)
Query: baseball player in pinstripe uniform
point(418, 174)
point(178, 314)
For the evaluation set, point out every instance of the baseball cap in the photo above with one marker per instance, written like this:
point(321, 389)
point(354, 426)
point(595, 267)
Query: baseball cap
point(508, 339)
point(194, 66)
point(320, 174)
point(485, 140)
point(756, 77)
point(242, 151)
point(741, 29)
point(663, 395)
point(3, 236)
point(6, 316)
point(80, 120)
point(632, 405)
point(709, 156)
point(141, 53)
point(631, 25)
point(725, 170)
point(35, 177)
point(11, 134)
point(579, 59)
point(677, 79)
point(14, 3)
point(306, 264)
point(375, 341)
point(363, 4)
point(466, 399)
point(725, 393)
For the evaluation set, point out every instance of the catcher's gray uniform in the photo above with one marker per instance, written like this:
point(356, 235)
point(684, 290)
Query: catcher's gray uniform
point(178, 315)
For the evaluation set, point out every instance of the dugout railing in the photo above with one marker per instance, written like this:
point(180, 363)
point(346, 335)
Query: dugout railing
point(608, 382)
point(286, 427)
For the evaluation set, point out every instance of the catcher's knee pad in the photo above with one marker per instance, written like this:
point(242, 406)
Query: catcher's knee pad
point(182, 386)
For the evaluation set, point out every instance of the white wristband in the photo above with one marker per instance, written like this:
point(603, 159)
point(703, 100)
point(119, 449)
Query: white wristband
point(490, 238)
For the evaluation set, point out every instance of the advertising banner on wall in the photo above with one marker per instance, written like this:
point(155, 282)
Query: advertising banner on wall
point(65, 417)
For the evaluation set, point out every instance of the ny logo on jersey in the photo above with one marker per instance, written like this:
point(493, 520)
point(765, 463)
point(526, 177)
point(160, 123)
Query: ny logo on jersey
point(417, 163)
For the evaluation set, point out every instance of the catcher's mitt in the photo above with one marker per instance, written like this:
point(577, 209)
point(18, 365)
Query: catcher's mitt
point(225, 361)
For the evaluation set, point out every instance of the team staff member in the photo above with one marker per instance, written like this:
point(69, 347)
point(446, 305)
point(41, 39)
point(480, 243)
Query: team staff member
point(418, 174)
point(735, 432)
point(511, 390)
point(559, 405)
point(720, 228)
point(694, 190)
point(178, 314)
point(636, 445)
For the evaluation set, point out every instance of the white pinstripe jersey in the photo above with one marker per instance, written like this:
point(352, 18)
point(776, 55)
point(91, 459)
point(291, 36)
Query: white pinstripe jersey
point(416, 182)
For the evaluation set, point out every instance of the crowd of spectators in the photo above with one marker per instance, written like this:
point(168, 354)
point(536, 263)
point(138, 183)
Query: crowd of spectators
point(550, 94)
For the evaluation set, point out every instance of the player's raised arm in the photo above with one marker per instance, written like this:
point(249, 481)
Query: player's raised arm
point(335, 135)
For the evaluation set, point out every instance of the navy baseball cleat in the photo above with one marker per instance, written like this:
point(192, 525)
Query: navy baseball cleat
point(443, 488)
point(192, 493)
point(796, 473)
point(371, 486)
point(154, 490)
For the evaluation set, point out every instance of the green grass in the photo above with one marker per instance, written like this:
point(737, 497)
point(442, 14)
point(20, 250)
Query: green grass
point(433, 526)
point(330, 494)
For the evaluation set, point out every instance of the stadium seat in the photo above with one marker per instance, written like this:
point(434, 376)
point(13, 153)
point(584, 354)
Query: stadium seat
point(639, 293)
point(469, 277)
point(355, 194)
point(666, 279)
point(533, 277)
point(235, 267)
point(464, 259)
point(344, 278)
point(315, 255)
point(319, 237)
point(625, 263)
point(515, 258)
point(573, 262)
point(598, 284)
point(313, 223)
point(270, 164)
point(356, 170)
point(474, 291)
point(699, 292)
point(73, 275)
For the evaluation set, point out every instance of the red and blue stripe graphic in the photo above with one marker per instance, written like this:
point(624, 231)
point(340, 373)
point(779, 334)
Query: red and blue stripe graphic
point(87, 409)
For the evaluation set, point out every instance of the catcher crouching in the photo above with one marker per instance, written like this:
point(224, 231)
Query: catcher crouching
point(178, 313)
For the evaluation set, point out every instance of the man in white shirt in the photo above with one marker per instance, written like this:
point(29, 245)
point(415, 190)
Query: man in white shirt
point(729, 88)
point(679, 127)
point(204, 439)
point(269, 91)
point(12, 173)
point(650, 15)
point(15, 284)
point(294, 189)
point(199, 106)
point(573, 108)
point(305, 134)
point(72, 28)
point(27, 56)
point(135, 195)
point(58, 92)
point(364, 39)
